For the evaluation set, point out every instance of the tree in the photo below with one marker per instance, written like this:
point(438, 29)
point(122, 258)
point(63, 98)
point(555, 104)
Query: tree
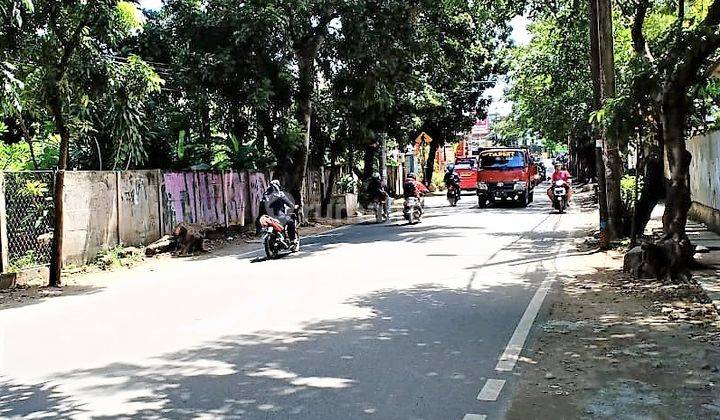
point(692, 57)
point(551, 87)
point(59, 48)
point(666, 63)
point(460, 54)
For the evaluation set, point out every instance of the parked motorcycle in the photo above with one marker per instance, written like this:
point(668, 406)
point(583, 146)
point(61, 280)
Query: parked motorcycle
point(275, 237)
point(453, 195)
point(412, 210)
point(560, 196)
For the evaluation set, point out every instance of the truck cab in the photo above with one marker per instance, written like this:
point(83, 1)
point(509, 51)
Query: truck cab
point(505, 175)
point(466, 168)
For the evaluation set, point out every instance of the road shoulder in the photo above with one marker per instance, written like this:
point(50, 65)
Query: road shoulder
point(615, 347)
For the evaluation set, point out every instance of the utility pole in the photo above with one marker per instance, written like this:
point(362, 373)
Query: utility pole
point(613, 161)
point(597, 104)
point(383, 160)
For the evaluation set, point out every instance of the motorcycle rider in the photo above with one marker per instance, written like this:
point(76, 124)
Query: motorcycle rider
point(414, 188)
point(377, 193)
point(560, 174)
point(276, 203)
point(452, 179)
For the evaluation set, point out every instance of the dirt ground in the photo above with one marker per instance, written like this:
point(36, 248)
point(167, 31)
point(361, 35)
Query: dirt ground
point(615, 348)
point(90, 278)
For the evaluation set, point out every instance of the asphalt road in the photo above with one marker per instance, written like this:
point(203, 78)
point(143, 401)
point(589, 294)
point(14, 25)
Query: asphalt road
point(371, 321)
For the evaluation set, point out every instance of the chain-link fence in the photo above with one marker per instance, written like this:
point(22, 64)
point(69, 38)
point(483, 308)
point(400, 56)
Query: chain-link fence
point(29, 216)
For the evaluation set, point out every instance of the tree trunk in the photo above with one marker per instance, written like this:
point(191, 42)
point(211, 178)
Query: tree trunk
point(305, 53)
point(613, 160)
point(56, 263)
point(369, 161)
point(383, 160)
point(329, 188)
point(674, 251)
point(653, 185)
point(675, 109)
point(259, 134)
point(597, 103)
point(430, 164)
point(28, 140)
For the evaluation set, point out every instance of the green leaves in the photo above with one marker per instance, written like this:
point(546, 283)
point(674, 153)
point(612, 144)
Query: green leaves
point(550, 87)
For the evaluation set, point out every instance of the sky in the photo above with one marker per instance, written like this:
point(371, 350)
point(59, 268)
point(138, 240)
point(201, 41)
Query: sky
point(520, 35)
point(150, 4)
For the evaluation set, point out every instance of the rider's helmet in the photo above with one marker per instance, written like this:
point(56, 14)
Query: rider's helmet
point(411, 175)
point(451, 168)
point(275, 186)
point(376, 175)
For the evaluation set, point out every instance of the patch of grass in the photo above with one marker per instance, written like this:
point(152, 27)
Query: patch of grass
point(26, 261)
point(118, 256)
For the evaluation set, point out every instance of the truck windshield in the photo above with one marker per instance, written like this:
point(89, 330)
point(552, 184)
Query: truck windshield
point(464, 163)
point(502, 159)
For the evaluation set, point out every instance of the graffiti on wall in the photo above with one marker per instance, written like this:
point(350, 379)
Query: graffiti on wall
point(236, 196)
point(179, 199)
point(197, 197)
point(210, 198)
point(257, 185)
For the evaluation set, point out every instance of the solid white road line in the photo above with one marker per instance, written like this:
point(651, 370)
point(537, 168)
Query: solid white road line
point(491, 390)
point(474, 417)
point(512, 352)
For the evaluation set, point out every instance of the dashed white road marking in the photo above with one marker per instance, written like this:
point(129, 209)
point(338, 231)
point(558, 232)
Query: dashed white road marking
point(491, 390)
point(474, 417)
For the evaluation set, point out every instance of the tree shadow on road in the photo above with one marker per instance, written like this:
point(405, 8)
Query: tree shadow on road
point(411, 353)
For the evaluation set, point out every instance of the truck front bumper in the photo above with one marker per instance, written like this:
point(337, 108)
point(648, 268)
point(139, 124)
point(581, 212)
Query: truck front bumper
point(501, 194)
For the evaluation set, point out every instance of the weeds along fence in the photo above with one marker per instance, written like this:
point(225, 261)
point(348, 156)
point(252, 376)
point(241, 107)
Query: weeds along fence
point(26, 218)
point(103, 209)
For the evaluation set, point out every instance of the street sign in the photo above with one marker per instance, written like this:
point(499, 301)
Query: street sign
point(423, 139)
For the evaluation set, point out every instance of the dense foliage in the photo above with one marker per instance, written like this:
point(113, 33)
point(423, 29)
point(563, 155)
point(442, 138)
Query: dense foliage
point(226, 84)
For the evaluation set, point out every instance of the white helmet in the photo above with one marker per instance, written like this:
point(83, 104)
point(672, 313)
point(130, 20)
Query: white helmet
point(275, 184)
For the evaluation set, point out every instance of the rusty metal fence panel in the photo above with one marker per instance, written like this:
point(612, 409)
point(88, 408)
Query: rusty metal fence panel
point(29, 217)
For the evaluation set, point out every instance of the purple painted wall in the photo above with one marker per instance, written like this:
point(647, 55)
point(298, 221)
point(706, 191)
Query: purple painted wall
point(197, 197)
point(210, 198)
point(179, 202)
point(258, 184)
point(236, 196)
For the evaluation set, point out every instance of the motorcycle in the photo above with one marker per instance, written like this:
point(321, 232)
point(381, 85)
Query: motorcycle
point(412, 210)
point(275, 238)
point(453, 195)
point(560, 196)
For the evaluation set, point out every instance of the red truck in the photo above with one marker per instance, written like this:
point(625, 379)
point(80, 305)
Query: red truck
point(466, 168)
point(506, 175)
